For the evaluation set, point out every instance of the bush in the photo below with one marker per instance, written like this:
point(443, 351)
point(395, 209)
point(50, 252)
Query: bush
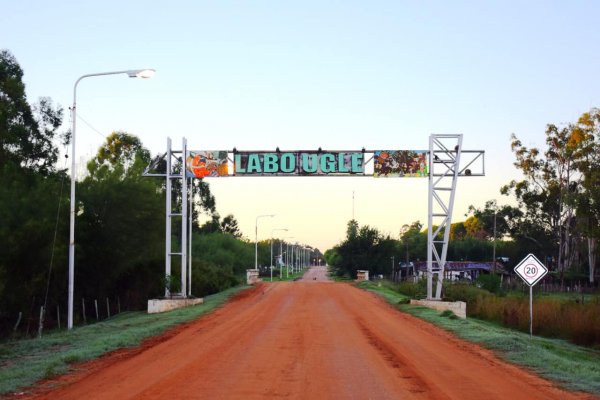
point(490, 282)
point(413, 290)
point(464, 292)
point(565, 319)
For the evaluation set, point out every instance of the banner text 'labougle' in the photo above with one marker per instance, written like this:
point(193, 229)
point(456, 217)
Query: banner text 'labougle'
point(299, 163)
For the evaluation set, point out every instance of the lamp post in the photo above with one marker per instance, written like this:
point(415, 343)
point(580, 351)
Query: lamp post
point(256, 238)
point(273, 230)
point(494, 250)
point(132, 73)
point(287, 255)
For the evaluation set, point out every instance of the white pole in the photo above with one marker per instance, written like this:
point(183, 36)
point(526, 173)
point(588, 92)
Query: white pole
point(256, 238)
point(430, 223)
point(191, 218)
point(271, 259)
point(168, 221)
point(530, 311)
point(494, 249)
point(184, 199)
point(145, 73)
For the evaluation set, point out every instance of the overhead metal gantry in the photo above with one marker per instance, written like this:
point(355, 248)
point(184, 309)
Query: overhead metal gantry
point(447, 161)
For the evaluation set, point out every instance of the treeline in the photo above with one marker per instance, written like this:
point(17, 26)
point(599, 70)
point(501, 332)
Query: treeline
point(120, 222)
point(365, 248)
point(557, 216)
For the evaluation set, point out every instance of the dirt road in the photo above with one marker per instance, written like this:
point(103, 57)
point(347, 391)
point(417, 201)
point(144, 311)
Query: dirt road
point(307, 340)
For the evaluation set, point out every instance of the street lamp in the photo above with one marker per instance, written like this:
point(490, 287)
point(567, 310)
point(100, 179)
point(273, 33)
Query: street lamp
point(132, 73)
point(494, 250)
point(287, 255)
point(281, 254)
point(273, 230)
point(256, 238)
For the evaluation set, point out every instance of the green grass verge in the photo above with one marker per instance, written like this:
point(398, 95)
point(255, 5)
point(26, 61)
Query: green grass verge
point(383, 288)
point(24, 362)
point(573, 367)
point(285, 277)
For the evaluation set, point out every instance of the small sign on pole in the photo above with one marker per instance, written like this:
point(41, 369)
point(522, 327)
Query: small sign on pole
point(531, 270)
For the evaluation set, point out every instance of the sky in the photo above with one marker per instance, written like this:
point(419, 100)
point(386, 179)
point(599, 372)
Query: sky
point(340, 75)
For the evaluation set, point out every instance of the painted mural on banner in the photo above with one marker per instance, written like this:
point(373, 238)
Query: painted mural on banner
point(299, 163)
point(203, 164)
point(400, 163)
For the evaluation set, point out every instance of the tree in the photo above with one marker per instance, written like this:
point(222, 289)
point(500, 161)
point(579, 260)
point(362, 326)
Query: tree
point(230, 225)
point(586, 138)
point(547, 194)
point(26, 133)
point(33, 204)
point(120, 224)
point(122, 155)
point(363, 248)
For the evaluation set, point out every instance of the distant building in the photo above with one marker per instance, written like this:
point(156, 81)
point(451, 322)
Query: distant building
point(457, 270)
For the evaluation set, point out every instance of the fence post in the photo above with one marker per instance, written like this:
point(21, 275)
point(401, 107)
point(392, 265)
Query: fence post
point(41, 325)
point(83, 310)
point(18, 321)
point(58, 315)
point(119, 305)
point(96, 305)
point(107, 308)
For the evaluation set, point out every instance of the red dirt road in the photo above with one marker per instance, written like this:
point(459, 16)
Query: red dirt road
point(307, 340)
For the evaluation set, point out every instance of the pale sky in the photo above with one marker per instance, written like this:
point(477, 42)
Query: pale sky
point(341, 75)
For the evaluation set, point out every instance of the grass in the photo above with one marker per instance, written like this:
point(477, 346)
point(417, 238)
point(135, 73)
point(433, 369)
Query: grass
point(573, 367)
point(385, 289)
point(24, 362)
point(284, 275)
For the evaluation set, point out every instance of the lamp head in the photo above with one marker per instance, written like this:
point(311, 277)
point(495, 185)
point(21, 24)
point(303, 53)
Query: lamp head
point(141, 73)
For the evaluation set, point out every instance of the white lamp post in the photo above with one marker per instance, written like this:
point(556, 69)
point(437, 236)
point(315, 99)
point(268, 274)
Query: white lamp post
point(287, 255)
point(256, 238)
point(273, 230)
point(132, 73)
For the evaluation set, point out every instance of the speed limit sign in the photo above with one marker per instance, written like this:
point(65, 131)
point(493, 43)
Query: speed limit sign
point(531, 270)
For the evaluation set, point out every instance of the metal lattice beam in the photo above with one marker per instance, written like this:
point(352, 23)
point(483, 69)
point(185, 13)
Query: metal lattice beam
point(444, 169)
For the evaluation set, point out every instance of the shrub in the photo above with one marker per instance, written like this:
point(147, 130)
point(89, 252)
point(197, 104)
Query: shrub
point(464, 292)
point(413, 290)
point(490, 282)
point(565, 319)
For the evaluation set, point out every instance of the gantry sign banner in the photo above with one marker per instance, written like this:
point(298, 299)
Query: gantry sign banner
point(401, 163)
point(386, 163)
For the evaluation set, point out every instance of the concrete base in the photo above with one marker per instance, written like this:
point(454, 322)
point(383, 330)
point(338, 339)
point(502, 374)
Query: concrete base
point(458, 307)
point(252, 276)
point(163, 305)
point(362, 275)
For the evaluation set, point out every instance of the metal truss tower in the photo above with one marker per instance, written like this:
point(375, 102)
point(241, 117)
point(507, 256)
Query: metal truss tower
point(445, 152)
point(174, 160)
point(444, 162)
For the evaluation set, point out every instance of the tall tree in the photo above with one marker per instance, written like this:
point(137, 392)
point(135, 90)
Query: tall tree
point(586, 138)
point(26, 133)
point(548, 192)
point(120, 224)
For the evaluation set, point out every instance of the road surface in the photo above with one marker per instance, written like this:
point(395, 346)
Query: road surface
point(309, 339)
